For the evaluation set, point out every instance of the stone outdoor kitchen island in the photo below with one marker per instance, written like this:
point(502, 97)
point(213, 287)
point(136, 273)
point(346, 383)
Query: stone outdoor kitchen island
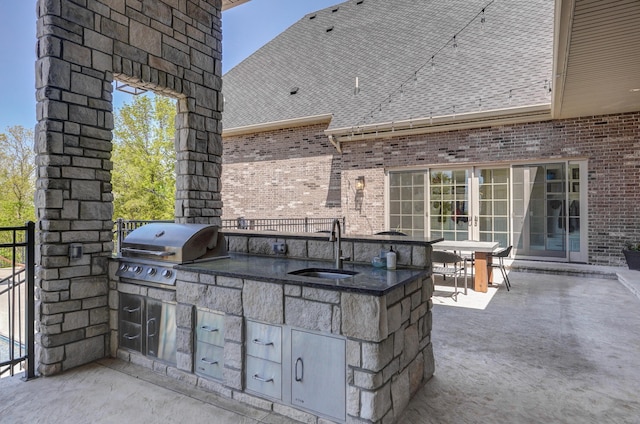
point(350, 350)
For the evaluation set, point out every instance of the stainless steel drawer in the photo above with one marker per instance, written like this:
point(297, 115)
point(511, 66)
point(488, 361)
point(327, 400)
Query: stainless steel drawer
point(264, 377)
point(264, 341)
point(131, 308)
point(209, 360)
point(131, 335)
point(210, 327)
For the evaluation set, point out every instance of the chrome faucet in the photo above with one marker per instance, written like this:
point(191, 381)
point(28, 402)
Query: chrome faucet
point(337, 249)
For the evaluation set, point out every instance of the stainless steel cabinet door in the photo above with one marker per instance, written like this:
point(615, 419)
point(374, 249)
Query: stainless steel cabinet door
point(318, 373)
point(161, 330)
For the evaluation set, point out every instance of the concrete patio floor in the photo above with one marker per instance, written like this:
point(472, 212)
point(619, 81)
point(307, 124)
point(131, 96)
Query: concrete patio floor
point(555, 349)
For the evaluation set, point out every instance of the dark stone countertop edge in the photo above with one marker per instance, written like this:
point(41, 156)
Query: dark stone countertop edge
point(370, 280)
point(325, 236)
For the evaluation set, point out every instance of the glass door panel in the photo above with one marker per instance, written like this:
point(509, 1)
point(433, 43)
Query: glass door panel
point(449, 204)
point(539, 205)
point(578, 247)
point(491, 189)
point(407, 202)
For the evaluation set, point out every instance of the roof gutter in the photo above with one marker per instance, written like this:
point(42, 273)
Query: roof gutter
point(276, 125)
point(442, 123)
point(563, 24)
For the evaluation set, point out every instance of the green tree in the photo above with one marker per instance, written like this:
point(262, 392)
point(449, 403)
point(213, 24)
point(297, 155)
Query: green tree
point(143, 174)
point(17, 176)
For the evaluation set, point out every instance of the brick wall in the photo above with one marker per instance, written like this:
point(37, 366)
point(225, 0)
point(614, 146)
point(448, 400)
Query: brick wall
point(281, 174)
point(611, 144)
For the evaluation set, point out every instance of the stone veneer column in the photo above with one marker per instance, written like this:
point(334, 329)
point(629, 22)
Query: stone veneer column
point(169, 46)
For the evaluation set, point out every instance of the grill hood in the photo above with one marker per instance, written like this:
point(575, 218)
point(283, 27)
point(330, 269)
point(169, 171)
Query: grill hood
point(175, 243)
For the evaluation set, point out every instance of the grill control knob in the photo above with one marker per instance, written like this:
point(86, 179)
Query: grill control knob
point(123, 267)
point(151, 271)
point(137, 269)
point(167, 273)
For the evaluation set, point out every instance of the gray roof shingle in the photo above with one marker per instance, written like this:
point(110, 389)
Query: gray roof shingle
point(383, 43)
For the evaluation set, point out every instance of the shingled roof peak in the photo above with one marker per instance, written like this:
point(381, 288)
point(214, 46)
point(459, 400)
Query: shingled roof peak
point(387, 45)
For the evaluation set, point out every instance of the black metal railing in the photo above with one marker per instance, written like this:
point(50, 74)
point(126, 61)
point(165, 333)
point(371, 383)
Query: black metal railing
point(291, 225)
point(17, 305)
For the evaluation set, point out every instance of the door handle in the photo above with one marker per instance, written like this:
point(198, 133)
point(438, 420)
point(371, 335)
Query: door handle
point(261, 343)
point(299, 361)
point(475, 220)
point(149, 325)
point(208, 362)
point(264, 380)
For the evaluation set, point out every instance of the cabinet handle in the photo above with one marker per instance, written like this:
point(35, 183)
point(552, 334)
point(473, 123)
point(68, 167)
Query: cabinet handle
point(128, 337)
point(264, 380)
point(261, 343)
point(130, 309)
point(149, 332)
point(209, 329)
point(209, 362)
point(299, 360)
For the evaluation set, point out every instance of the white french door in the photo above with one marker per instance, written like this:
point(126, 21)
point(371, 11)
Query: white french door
point(538, 208)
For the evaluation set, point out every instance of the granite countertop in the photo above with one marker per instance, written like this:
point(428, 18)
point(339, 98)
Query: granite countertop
point(369, 280)
point(345, 238)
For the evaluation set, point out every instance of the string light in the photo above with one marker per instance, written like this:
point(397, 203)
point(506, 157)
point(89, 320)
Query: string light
point(481, 16)
point(433, 56)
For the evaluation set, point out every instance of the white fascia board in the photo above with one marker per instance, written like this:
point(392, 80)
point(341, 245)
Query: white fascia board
point(277, 125)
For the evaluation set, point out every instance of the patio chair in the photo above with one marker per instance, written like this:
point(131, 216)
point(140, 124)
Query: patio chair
point(501, 254)
point(449, 264)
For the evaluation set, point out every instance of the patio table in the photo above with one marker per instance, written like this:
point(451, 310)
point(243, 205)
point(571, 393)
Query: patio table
point(482, 256)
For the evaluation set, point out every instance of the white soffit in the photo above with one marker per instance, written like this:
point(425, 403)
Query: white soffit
point(228, 4)
point(596, 57)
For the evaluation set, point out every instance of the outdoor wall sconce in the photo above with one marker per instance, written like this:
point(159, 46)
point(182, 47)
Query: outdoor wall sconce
point(360, 183)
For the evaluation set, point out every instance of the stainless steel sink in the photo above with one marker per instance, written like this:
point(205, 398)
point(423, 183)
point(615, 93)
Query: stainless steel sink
point(325, 273)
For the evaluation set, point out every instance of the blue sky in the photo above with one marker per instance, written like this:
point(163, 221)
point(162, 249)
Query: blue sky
point(244, 27)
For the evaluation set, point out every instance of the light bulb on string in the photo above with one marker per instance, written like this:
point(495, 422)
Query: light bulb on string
point(433, 64)
point(483, 21)
point(510, 96)
point(454, 111)
point(415, 79)
point(456, 49)
point(480, 102)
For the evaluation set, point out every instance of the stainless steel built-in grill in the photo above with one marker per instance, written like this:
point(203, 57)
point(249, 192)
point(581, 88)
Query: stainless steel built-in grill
point(150, 253)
